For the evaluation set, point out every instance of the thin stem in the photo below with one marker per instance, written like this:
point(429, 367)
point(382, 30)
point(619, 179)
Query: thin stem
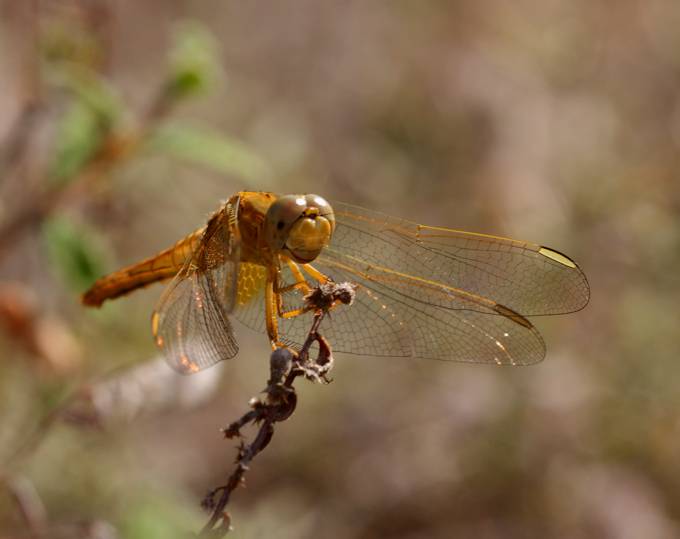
point(280, 404)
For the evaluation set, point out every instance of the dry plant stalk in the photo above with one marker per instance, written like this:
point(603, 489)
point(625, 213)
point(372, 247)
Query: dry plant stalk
point(279, 401)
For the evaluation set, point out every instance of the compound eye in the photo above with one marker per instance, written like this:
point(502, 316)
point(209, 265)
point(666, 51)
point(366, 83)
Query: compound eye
point(280, 218)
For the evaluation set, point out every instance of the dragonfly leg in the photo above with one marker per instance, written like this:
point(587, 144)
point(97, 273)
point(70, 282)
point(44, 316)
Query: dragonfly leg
point(300, 284)
point(315, 274)
point(300, 281)
point(271, 300)
point(293, 313)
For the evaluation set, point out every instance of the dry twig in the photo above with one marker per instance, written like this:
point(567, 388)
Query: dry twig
point(279, 402)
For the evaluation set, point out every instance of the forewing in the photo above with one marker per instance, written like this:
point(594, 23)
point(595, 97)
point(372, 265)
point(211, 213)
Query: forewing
point(191, 321)
point(525, 277)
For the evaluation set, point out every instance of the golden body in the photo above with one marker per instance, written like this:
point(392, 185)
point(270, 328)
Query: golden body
point(225, 263)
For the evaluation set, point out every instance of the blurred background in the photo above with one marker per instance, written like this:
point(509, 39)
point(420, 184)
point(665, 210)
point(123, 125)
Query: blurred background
point(124, 124)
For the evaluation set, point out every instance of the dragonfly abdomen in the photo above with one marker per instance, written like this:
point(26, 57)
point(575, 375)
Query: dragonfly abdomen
point(159, 267)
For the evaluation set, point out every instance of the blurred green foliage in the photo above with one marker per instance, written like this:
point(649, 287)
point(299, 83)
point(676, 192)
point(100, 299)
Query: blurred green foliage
point(154, 517)
point(211, 148)
point(194, 65)
point(75, 251)
point(93, 91)
point(79, 136)
point(91, 112)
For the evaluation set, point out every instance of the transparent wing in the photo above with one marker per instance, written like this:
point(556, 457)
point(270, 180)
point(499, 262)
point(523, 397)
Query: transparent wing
point(526, 277)
point(190, 323)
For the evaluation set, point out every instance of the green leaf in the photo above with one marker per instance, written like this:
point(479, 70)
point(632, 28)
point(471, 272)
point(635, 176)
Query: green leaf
point(74, 250)
point(210, 148)
point(194, 64)
point(96, 93)
point(78, 137)
point(158, 518)
point(91, 114)
point(88, 88)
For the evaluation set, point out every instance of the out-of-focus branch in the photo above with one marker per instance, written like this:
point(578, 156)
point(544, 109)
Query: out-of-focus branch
point(279, 402)
point(15, 144)
point(66, 409)
point(193, 66)
point(114, 150)
point(30, 506)
point(40, 432)
point(34, 518)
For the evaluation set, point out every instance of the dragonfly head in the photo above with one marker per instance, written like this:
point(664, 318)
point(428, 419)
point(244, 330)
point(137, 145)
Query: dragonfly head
point(299, 226)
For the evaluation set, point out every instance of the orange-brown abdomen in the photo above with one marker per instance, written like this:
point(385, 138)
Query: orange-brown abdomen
point(160, 267)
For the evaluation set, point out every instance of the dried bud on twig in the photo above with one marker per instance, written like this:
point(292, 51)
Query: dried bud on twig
point(327, 295)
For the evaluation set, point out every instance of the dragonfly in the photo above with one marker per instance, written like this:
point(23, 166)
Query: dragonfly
point(421, 291)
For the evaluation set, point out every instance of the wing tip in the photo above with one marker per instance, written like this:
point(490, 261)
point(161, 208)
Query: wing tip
point(566, 261)
point(557, 256)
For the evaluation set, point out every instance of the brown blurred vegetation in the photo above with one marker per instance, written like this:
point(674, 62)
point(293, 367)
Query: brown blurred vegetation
point(123, 124)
